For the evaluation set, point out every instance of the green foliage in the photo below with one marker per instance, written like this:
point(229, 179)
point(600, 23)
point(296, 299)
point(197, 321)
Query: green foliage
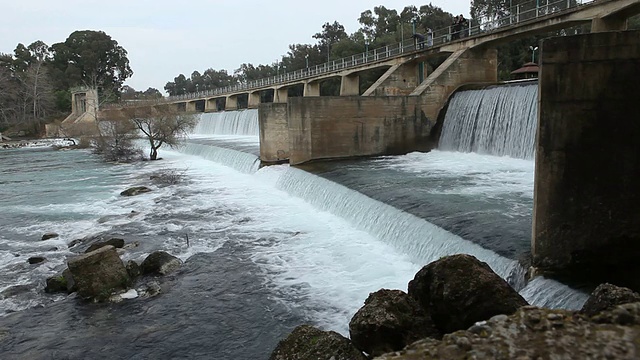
point(90, 58)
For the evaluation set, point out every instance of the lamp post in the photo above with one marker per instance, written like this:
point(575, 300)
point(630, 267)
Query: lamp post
point(533, 53)
point(306, 61)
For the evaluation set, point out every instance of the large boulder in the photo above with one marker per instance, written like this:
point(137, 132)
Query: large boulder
point(115, 242)
point(534, 333)
point(389, 321)
point(607, 296)
point(160, 262)
point(135, 191)
point(98, 273)
point(307, 342)
point(460, 290)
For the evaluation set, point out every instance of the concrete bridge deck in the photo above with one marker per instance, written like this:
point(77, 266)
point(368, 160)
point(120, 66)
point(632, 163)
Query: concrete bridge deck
point(531, 18)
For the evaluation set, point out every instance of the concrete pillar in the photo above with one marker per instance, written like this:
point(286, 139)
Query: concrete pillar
point(311, 88)
point(350, 85)
point(210, 105)
point(231, 103)
point(586, 219)
point(190, 106)
point(254, 100)
point(280, 95)
point(610, 23)
point(274, 132)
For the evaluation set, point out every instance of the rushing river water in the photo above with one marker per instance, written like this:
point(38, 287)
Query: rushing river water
point(269, 248)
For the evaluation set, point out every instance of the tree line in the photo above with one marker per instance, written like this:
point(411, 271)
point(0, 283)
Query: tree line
point(35, 80)
point(379, 27)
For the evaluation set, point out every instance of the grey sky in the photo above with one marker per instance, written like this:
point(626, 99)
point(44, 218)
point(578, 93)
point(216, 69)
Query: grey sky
point(166, 38)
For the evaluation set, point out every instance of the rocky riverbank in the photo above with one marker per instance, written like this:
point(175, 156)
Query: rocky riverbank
point(38, 143)
point(458, 308)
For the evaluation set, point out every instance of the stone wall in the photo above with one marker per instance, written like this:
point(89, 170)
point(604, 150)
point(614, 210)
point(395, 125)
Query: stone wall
point(587, 199)
point(351, 126)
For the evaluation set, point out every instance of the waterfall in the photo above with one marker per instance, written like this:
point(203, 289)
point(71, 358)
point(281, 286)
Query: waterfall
point(238, 160)
point(240, 122)
point(422, 241)
point(497, 121)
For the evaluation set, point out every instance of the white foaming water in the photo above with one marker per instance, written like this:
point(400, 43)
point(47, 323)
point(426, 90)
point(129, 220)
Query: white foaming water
point(483, 175)
point(552, 294)
point(422, 241)
point(238, 160)
point(239, 122)
point(498, 121)
point(324, 267)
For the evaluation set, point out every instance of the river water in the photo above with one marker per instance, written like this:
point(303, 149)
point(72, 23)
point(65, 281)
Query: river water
point(269, 248)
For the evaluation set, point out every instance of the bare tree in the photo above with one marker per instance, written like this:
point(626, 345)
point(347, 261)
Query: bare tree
point(163, 124)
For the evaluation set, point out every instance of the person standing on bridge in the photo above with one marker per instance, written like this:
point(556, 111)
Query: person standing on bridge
point(429, 37)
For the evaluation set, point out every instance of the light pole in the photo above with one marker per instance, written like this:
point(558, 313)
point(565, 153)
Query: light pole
point(306, 61)
point(533, 53)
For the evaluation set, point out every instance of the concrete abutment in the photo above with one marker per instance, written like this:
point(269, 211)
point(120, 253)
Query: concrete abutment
point(586, 221)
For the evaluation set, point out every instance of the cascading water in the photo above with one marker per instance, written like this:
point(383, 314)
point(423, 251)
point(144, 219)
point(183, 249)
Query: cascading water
point(238, 160)
point(240, 122)
point(497, 121)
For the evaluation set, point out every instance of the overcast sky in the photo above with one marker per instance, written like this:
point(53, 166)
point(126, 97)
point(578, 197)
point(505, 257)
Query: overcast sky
point(166, 38)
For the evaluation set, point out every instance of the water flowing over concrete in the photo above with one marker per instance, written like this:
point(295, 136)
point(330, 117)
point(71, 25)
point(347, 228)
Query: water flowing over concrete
point(240, 122)
point(497, 121)
point(238, 160)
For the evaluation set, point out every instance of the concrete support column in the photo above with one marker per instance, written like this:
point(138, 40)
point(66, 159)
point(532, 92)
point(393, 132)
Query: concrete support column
point(210, 105)
point(231, 103)
point(190, 106)
point(254, 100)
point(274, 132)
point(311, 88)
point(280, 95)
point(350, 85)
point(610, 23)
point(586, 217)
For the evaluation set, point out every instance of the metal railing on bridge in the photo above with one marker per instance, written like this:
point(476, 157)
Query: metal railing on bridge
point(515, 16)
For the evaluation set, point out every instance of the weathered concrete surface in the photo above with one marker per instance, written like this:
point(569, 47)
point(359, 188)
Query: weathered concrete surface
point(349, 126)
point(231, 103)
point(274, 132)
point(587, 201)
point(350, 85)
point(461, 67)
point(400, 80)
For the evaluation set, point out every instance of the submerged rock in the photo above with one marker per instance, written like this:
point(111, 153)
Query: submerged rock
point(607, 296)
point(307, 342)
point(14, 290)
point(133, 269)
point(36, 260)
point(115, 242)
point(135, 191)
point(389, 321)
point(534, 333)
point(49, 235)
point(460, 290)
point(97, 274)
point(160, 262)
point(56, 284)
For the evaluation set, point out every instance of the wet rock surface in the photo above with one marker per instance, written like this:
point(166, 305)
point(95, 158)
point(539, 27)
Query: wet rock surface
point(389, 320)
point(160, 262)
point(97, 274)
point(607, 296)
point(115, 242)
point(307, 342)
point(49, 235)
point(136, 190)
point(536, 333)
point(460, 290)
